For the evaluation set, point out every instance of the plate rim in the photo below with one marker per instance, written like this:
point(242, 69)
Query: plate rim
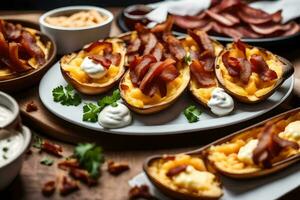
point(146, 131)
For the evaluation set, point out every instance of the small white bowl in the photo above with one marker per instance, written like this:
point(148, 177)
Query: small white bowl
point(9, 170)
point(72, 39)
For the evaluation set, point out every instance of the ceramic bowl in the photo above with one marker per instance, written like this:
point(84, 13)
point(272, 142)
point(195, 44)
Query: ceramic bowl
point(9, 170)
point(72, 39)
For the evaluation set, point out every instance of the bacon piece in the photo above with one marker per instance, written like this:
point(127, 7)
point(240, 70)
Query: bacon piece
point(140, 28)
point(262, 68)
point(49, 188)
point(225, 5)
point(162, 86)
point(208, 63)
point(68, 186)
point(158, 51)
point(82, 175)
point(175, 47)
point(3, 46)
point(231, 17)
point(293, 30)
point(169, 73)
point(150, 43)
point(68, 164)
point(141, 192)
point(188, 23)
point(246, 71)
point(203, 41)
point(176, 170)
point(268, 29)
point(101, 60)
point(229, 31)
point(14, 62)
point(231, 64)
point(106, 46)
point(28, 42)
point(51, 148)
point(221, 18)
point(240, 46)
point(31, 107)
point(10, 31)
point(134, 45)
point(270, 145)
point(142, 68)
point(164, 27)
point(115, 58)
point(203, 77)
point(155, 70)
point(247, 32)
point(257, 19)
point(116, 168)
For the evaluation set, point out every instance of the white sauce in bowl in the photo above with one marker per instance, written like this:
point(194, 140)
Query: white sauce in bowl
point(5, 116)
point(115, 117)
point(220, 102)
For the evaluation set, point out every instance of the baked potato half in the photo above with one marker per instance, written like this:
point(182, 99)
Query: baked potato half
point(96, 68)
point(251, 74)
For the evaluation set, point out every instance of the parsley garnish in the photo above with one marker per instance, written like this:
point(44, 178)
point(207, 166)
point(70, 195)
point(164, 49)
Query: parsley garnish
point(5, 149)
point(187, 59)
point(91, 110)
point(47, 161)
point(90, 158)
point(192, 113)
point(66, 96)
point(37, 142)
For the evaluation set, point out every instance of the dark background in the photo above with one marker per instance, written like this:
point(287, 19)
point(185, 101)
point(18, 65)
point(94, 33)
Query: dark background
point(50, 4)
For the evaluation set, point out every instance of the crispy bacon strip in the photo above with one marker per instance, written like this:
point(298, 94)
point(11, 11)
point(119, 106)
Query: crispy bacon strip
point(293, 30)
point(170, 73)
point(248, 18)
point(202, 40)
point(270, 145)
point(150, 43)
point(14, 62)
point(175, 47)
point(116, 168)
point(261, 67)
point(115, 58)
point(202, 77)
point(188, 23)
point(134, 45)
point(158, 51)
point(106, 46)
point(176, 170)
point(231, 64)
point(230, 31)
point(164, 27)
point(268, 29)
point(28, 42)
point(221, 18)
point(100, 59)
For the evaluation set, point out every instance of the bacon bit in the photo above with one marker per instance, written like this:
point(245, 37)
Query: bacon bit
point(3, 46)
point(169, 157)
point(268, 29)
point(175, 47)
point(158, 51)
point(68, 164)
point(101, 60)
point(115, 58)
point(134, 45)
point(164, 27)
point(107, 46)
point(221, 18)
point(82, 175)
point(116, 168)
point(169, 74)
point(202, 77)
point(11, 32)
point(154, 71)
point(246, 69)
point(28, 42)
point(261, 67)
point(15, 63)
point(140, 28)
point(270, 145)
point(241, 46)
point(187, 23)
point(52, 148)
point(31, 106)
point(231, 64)
point(202, 40)
point(138, 192)
point(141, 68)
point(176, 170)
point(49, 188)
point(68, 186)
point(150, 44)
point(230, 31)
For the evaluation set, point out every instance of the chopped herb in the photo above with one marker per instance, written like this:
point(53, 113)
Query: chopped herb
point(37, 142)
point(192, 113)
point(187, 59)
point(4, 157)
point(47, 161)
point(5, 149)
point(66, 96)
point(91, 110)
point(90, 158)
point(110, 100)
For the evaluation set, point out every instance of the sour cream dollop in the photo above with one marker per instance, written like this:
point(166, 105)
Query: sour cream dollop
point(292, 131)
point(93, 70)
point(220, 102)
point(115, 117)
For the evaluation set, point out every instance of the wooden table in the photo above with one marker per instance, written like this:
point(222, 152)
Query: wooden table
point(28, 184)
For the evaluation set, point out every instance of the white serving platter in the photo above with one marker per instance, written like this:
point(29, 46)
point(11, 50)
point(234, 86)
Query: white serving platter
point(169, 121)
